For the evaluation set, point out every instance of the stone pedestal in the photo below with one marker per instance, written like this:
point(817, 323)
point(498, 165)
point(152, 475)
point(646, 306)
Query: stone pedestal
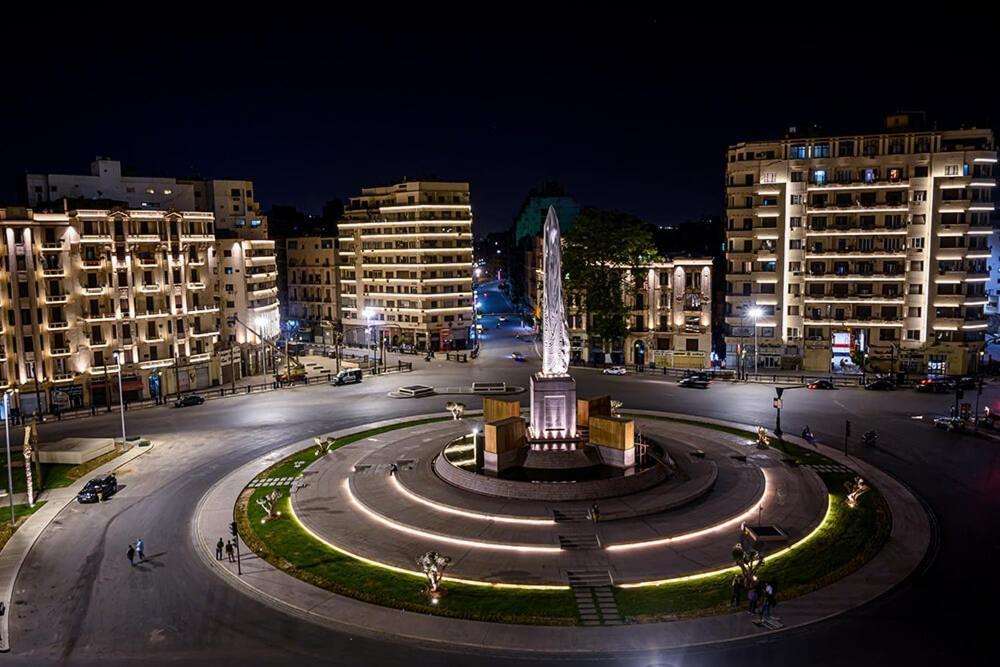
point(504, 440)
point(588, 407)
point(553, 407)
point(497, 408)
point(614, 438)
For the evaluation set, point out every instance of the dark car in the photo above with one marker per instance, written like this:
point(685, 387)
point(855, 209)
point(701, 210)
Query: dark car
point(882, 384)
point(190, 399)
point(953, 424)
point(697, 381)
point(346, 376)
point(97, 489)
point(821, 384)
point(967, 382)
point(935, 385)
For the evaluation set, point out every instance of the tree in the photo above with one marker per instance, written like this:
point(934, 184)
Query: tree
point(602, 259)
point(749, 561)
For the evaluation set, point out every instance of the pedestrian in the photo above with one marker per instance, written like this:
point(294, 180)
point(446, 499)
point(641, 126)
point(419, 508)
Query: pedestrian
point(218, 549)
point(765, 610)
point(140, 549)
point(131, 555)
point(752, 599)
point(229, 551)
point(737, 591)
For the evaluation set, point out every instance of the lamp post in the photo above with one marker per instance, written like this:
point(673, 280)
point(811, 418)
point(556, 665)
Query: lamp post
point(10, 472)
point(369, 315)
point(755, 312)
point(119, 358)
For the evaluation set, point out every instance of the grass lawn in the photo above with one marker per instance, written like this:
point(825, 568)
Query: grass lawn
point(845, 542)
point(54, 475)
point(284, 544)
point(21, 513)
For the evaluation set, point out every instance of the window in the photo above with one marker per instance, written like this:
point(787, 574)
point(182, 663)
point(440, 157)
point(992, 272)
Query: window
point(793, 310)
point(916, 265)
point(796, 177)
point(951, 170)
point(913, 311)
point(795, 244)
point(821, 150)
point(871, 175)
point(917, 242)
point(845, 149)
point(870, 147)
point(234, 192)
point(798, 152)
point(792, 332)
point(887, 334)
point(913, 334)
point(920, 171)
point(228, 270)
point(150, 191)
point(819, 177)
point(795, 221)
point(168, 191)
point(796, 200)
point(255, 223)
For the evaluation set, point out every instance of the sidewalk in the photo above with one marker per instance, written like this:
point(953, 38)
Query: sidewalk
point(902, 554)
point(20, 543)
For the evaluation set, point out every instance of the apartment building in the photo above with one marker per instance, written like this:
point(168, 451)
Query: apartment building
point(869, 248)
point(248, 296)
point(406, 264)
point(313, 286)
point(669, 321)
point(86, 293)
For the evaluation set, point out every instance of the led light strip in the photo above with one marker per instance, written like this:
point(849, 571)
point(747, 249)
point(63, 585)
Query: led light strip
point(420, 575)
point(458, 512)
point(726, 570)
point(683, 537)
point(475, 544)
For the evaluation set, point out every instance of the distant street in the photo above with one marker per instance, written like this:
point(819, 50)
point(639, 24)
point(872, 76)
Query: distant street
point(78, 602)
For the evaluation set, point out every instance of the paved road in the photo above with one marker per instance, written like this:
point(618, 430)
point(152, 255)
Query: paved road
point(78, 601)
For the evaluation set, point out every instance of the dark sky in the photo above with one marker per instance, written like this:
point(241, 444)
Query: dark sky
point(629, 112)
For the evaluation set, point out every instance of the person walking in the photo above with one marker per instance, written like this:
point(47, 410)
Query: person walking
point(737, 586)
point(765, 610)
point(229, 551)
point(140, 549)
point(218, 549)
point(752, 600)
point(131, 555)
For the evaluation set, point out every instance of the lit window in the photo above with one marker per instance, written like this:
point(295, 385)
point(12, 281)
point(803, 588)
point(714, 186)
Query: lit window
point(168, 192)
point(150, 191)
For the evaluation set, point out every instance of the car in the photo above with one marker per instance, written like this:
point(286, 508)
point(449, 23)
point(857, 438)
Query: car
point(347, 376)
point(967, 382)
point(190, 399)
point(936, 385)
point(98, 489)
point(615, 370)
point(502, 318)
point(517, 356)
point(821, 384)
point(950, 423)
point(696, 381)
point(881, 384)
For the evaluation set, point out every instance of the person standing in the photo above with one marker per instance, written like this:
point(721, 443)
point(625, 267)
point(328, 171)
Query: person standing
point(737, 591)
point(229, 551)
point(218, 549)
point(131, 555)
point(765, 610)
point(752, 599)
point(140, 549)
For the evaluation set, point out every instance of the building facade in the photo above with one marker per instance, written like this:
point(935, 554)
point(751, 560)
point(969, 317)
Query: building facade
point(669, 322)
point(313, 287)
point(406, 265)
point(248, 296)
point(864, 250)
point(86, 293)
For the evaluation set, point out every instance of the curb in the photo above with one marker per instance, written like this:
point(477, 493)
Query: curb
point(856, 589)
point(24, 546)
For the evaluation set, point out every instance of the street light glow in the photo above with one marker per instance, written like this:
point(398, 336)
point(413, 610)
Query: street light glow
point(368, 313)
point(756, 312)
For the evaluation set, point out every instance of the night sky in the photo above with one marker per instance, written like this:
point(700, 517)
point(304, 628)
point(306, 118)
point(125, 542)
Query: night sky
point(632, 113)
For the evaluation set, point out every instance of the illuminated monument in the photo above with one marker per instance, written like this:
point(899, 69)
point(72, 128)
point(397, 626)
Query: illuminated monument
point(553, 391)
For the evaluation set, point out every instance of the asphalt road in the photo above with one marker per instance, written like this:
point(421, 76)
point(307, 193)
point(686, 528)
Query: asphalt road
point(77, 600)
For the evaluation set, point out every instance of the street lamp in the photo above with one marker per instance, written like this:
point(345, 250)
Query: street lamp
point(369, 315)
point(10, 472)
point(119, 358)
point(755, 312)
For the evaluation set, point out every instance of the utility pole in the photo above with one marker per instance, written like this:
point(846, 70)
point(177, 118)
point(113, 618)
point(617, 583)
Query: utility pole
point(777, 407)
point(847, 434)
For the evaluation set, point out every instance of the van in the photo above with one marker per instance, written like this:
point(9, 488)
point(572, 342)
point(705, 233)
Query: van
point(346, 376)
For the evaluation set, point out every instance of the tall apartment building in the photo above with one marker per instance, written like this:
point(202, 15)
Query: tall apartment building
point(669, 322)
point(248, 296)
point(79, 287)
point(406, 264)
point(870, 248)
point(313, 286)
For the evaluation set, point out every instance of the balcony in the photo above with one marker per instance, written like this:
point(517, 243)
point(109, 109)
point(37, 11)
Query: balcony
point(203, 309)
point(151, 315)
point(96, 238)
point(63, 377)
point(856, 253)
point(257, 277)
point(197, 238)
point(858, 207)
point(148, 263)
point(855, 230)
point(102, 317)
point(156, 363)
point(199, 358)
point(94, 291)
point(150, 288)
point(259, 260)
point(56, 298)
point(57, 326)
point(54, 272)
point(948, 323)
point(153, 341)
point(196, 285)
point(59, 352)
point(848, 298)
point(93, 264)
point(144, 238)
point(872, 276)
point(268, 292)
point(196, 262)
point(203, 334)
point(98, 344)
point(52, 247)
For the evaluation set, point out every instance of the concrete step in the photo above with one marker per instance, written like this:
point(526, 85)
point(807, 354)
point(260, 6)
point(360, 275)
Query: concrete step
point(569, 515)
point(579, 542)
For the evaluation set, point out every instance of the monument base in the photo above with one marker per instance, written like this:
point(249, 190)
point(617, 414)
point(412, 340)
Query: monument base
point(553, 407)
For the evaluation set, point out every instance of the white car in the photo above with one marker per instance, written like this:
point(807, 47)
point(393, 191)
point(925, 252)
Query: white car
point(615, 370)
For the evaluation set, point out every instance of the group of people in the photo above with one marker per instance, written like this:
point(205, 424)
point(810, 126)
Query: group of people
point(761, 598)
point(137, 550)
point(228, 548)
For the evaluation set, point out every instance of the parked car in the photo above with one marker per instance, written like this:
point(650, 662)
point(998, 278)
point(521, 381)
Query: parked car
point(881, 384)
point(696, 381)
point(190, 399)
point(97, 489)
point(517, 356)
point(821, 384)
point(347, 376)
point(937, 385)
point(967, 382)
point(614, 370)
point(950, 423)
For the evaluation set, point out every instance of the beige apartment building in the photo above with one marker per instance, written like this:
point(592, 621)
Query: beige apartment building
point(248, 295)
point(86, 293)
point(314, 286)
point(868, 248)
point(406, 265)
point(669, 323)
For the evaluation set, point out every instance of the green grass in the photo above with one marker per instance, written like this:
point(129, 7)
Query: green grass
point(21, 513)
point(54, 475)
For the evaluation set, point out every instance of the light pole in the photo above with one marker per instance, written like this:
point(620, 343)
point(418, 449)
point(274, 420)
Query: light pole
point(755, 312)
point(369, 314)
point(10, 472)
point(119, 358)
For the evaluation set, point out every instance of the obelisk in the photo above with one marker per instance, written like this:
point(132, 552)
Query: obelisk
point(553, 391)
